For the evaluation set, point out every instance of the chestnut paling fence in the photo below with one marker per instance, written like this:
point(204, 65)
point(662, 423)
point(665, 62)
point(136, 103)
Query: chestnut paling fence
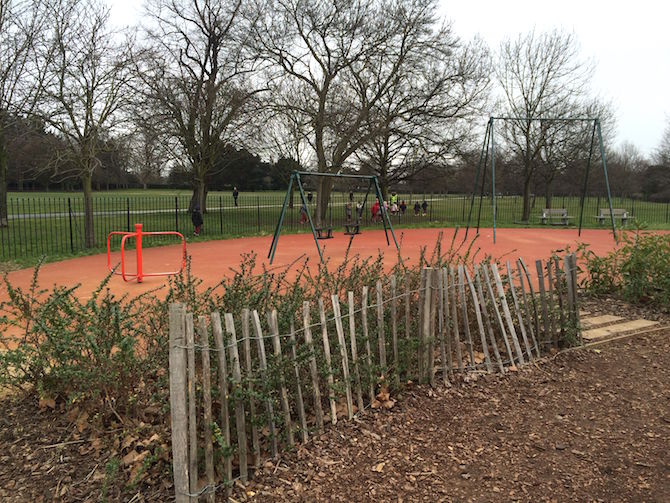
point(244, 387)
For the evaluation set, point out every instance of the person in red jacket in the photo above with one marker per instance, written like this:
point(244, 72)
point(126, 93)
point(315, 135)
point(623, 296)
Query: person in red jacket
point(375, 211)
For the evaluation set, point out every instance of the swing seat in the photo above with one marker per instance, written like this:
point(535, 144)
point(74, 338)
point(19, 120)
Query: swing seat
point(324, 232)
point(351, 228)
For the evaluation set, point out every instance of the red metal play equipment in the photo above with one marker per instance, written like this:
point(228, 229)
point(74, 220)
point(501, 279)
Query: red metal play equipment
point(138, 234)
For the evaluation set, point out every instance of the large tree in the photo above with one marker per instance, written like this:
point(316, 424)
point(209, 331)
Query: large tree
point(197, 77)
point(424, 116)
point(22, 23)
point(86, 90)
point(337, 59)
point(541, 76)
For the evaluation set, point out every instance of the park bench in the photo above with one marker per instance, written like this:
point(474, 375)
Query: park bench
point(555, 216)
point(620, 213)
point(324, 232)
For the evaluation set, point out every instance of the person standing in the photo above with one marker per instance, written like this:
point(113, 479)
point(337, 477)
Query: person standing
point(424, 207)
point(196, 218)
point(403, 207)
point(235, 195)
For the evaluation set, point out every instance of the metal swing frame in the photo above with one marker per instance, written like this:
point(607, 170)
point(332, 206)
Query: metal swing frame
point(489, 147)
point(295, 178)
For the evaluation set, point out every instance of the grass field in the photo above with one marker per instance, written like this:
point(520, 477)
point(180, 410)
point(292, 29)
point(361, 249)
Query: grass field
point(52, 223)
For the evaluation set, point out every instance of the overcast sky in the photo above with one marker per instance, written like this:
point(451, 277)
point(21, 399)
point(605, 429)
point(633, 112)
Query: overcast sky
point(629, 42)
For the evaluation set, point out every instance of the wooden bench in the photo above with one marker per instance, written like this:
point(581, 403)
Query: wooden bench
point(620, 213)
point(352, 228)
point(555, 216)
point(324, 232)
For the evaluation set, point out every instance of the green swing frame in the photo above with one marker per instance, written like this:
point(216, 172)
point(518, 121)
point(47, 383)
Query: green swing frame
point(488, 151)
point(296, 179)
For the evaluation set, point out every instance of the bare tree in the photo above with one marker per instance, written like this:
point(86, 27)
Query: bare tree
point(541, 76)
point(197, 78)
point(87, 88)
point(338, 59)
point(423, 116)
point(662, 153)
point(21, 73)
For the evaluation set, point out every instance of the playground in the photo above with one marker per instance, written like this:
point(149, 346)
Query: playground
point(213, 260)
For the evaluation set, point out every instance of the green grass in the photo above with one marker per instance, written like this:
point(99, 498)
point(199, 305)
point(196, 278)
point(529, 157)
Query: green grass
point(52, 224)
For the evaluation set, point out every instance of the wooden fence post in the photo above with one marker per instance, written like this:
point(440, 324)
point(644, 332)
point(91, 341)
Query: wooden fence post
point(207, 408)
point(421, 308)
point(313, 369)
point(178, 414)
point(480, 324)
point(329, 366)
point(508, 315)
point(496, 311)
point(543, 301)
point(299, 401)
point(283, 393)
point(263, 365)
point(464, 312)
point(559, 294)
point(532, 327)
point(517, 309)
point(441, 326)
point(447, 321)
point(246, 345)
point(192, 421)
point(354, 351)
point(380, 328)
point(240, 424)
point(454, 303)
point(343, 355)
point(487, 320)
point(222, 372)
point(550, 297)
point(366, 338)
point(394, 326)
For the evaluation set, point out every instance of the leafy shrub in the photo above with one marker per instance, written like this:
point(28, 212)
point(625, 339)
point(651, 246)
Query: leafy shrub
point(638, 271)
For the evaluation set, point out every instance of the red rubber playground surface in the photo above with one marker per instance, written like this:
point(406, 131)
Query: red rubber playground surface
point(213, 260)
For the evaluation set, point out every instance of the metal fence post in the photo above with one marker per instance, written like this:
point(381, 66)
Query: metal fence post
point(69, 211)
point(258, 212)
point(176, 213)
point(221, 214)
point(127, 214)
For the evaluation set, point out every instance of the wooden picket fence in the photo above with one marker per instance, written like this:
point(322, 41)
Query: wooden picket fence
point(231, 418)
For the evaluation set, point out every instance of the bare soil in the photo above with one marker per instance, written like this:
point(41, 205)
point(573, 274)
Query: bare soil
point(585, 425)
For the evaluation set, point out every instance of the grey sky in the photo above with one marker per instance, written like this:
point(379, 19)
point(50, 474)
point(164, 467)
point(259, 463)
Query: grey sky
point(629, 42)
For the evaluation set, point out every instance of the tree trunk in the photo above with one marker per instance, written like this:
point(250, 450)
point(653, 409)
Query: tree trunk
point(547, 193)
point(525, 214)
point(3, 180)
point(199, 196)
point(89, 232)
point(322, 197)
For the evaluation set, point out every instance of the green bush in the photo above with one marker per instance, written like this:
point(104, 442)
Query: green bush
point(638, 271)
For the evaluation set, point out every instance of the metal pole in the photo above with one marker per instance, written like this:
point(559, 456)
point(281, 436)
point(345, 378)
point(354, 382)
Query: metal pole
point(493, 180)
point(607, 183)
point(275, 236)
point(586, 180)
point(69, 210)
point(379, 193)
point(474, 190)
point(127, 214)
point(309, 216)
point(176, 213)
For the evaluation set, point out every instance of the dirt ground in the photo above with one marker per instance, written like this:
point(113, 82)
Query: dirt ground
point(586, 425)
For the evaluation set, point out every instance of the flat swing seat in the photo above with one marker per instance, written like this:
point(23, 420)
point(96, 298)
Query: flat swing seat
point(351, 229)
point(324, 232)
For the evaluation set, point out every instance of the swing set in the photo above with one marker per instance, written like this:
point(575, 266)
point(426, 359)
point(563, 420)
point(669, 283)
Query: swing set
point(326, 231)
point(488, 152)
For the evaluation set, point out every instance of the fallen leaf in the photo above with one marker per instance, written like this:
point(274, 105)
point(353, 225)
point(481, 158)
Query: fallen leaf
point(379, 467)
point(47, 402)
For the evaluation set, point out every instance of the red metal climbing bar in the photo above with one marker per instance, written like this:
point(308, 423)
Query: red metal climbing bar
point(138, 235)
